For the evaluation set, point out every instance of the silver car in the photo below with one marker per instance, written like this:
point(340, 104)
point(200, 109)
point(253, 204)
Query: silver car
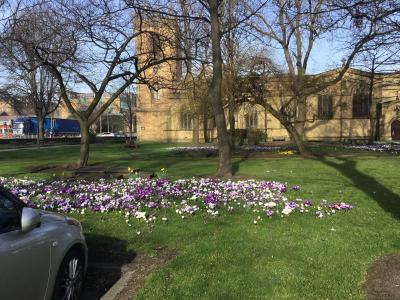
point(43, 255)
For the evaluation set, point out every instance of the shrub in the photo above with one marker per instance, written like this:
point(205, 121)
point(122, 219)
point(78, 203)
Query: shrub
point(239, 137)
point(255, 136)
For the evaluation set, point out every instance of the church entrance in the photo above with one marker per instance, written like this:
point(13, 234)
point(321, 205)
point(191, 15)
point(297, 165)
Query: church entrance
point(395, 130)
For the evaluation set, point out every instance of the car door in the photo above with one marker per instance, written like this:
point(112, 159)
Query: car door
point(24, 257)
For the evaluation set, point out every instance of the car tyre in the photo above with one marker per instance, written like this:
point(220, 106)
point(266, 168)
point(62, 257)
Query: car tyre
point(70, 277)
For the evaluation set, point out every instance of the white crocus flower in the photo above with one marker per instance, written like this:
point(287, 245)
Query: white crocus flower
point(286, 211)
point(140, 215)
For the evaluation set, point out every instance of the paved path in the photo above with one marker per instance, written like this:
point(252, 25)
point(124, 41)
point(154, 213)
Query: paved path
point(35, 148)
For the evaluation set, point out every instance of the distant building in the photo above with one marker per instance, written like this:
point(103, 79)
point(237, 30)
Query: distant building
point(110, 120)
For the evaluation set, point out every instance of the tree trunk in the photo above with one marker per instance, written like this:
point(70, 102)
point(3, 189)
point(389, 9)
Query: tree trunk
point(215, 94)
point(40, 123)
point(378, 114)
point(372, 125)
point(296, 137)
point(301, 116)
point(232, 122)
point(299, 142)
point(84, 148)
point(130, 127)
point(195, 130)
point(205, 129)
point(297, 132)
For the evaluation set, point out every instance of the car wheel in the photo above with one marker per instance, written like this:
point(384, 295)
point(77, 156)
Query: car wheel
point(70, 277)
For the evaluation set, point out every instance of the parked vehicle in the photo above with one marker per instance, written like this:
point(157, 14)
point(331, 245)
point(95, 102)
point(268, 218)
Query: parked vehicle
point(43, 255)
point(52, 126)
point(120, 134)
point(6, 124)
point(6, 129)
point(106, 134)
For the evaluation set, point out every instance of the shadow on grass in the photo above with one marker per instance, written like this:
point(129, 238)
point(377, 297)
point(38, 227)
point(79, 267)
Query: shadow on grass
point(236, 163)
point(387, 199)
point(107, 255)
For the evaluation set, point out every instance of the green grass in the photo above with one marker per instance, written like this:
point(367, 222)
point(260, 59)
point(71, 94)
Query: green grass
point(299, 257)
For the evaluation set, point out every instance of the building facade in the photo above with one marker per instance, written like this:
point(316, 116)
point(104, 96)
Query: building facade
point(343, 112)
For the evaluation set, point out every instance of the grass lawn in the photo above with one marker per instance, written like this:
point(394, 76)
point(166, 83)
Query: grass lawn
point(299, 257)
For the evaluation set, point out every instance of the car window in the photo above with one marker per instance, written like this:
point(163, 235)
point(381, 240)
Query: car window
point(9, 216)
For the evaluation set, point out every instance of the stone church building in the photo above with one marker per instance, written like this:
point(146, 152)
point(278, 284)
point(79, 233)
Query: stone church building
point(343, 112)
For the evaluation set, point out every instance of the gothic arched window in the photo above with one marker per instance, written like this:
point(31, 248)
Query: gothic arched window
point(325, 107)
point(186, 120)
point(251, 119)
point(361, 107)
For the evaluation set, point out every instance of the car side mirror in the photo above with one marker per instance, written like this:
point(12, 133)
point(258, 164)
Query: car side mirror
point(30, 219)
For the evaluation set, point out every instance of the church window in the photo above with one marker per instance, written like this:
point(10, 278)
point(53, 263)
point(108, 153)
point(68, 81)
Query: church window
point(186, 120)
point(360, 106)
point(156, 46)
point(251, 119)
point(325, 107)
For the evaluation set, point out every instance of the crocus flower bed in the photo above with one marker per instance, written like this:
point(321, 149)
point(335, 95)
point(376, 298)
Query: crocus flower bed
point(394, 149)
point(257, 148)
point(149, 199)
point(193, 149)
point(252, 148)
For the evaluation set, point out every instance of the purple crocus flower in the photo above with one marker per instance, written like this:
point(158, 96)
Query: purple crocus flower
point(291, 204)
point(307, 203)
point(152, 204)
point(296, 188)
point(269, 213)
point(210, 200)
point(345, 206)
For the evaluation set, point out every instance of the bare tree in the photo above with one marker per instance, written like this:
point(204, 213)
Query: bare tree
point(29, 84)
point(241, 51)
point(96, 50)
point(231, 44)
point(36, 90)
point(215, 90)
point(209, 15)
point(295, 27)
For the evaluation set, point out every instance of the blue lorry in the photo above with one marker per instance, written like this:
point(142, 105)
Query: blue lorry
point(24, 126)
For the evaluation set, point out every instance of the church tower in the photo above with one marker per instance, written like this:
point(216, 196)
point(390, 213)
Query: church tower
point(158, 97)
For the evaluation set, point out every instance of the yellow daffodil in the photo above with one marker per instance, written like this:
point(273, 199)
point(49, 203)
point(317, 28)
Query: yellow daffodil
point(289, 152)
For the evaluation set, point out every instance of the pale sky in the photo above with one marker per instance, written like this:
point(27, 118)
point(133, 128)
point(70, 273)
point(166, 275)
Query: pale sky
point(324, 57)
